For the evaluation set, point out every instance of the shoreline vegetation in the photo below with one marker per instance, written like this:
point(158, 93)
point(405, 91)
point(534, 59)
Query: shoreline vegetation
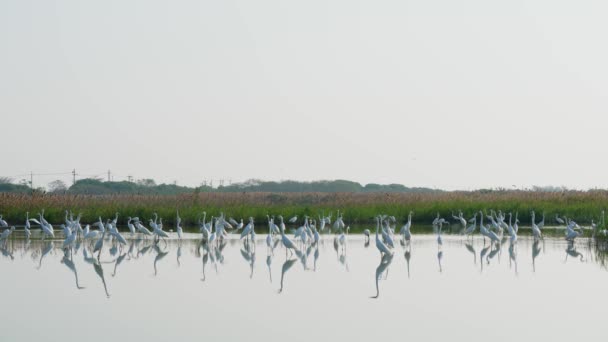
point(357, 208)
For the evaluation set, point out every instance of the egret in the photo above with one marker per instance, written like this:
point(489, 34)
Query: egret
point(516, 224)
point(269, 244)
point(115, 233)
point(286, 241)
point(99, 245)
point(47, 229)
point(559, 220)
point(248, 229)
point(406, 229)
point(3, 223)
point(471, 229)
point(535, 230)
point(212, 234)
point(158, 230)
point(541, 224)
point(69, 240)
point(90, 234)
point(131, 226)
point(5, 234)
point(439, 240)
point(512, 232)
point(178, 221)
point(366, 233)
point(293, 219)
point(379, 244)
point(26, 228)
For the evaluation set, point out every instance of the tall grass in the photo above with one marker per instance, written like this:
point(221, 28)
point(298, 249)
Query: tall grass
point(357, 207)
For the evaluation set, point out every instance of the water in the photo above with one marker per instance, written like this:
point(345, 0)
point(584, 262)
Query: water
point(164, 292)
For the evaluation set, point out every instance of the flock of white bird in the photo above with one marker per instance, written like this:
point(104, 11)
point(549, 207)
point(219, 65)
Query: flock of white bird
point(497, 231)
point(301, 241)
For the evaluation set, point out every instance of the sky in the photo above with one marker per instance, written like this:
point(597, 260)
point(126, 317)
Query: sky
point(439, 93)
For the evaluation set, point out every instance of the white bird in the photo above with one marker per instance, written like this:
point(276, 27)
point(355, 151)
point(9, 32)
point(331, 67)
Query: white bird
point(572, 234)
point(66, 231)
point(541, 224)
point(90, 234)
point(366, 233)
point(471, 229)
point(439, 240)
point(5, 234)
point(158, 229)
point(406, 229)
point(3, 223)
point(512, 232)
point(99, 244)
point(179, 229)
point(142, 229)
point(535, 230)
point(26, 228)
point(293, 219)
point(212, 234)
point(461, 219)
point(342, 238)
point(47, 229)
point(516, 224)
point(379, 244)
point(69, 240)
point(559, 220)
point(436, 220)
point(115, 233)
point(131, 226)
point(284, 239)
point(248, 229)
point(269, 244)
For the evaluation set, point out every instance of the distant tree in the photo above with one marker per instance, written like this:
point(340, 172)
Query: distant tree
point(57, 186)
point(6, 180)
point(147, 182)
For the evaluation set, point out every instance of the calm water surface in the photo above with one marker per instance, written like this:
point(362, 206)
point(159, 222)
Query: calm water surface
point(182, 291)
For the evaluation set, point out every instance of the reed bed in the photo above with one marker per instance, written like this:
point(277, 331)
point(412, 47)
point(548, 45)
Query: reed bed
point(357, 207)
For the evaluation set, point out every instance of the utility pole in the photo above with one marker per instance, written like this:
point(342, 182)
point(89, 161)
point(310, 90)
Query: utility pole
point(32, 181)
point(73, 176)
point(130, 179)
point(109, 175)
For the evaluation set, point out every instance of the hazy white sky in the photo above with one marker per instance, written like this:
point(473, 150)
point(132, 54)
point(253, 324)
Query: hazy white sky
point(449, 94)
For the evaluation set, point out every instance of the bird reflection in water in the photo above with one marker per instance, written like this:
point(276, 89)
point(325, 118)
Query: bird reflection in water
point(286, 266)
point(160, 254)
point(99, 271)
point(385, 262)
point(535, 252)
point(268, 264)
point(118, 261)
point(471, 249)
point(483, 253)
point(571, 251)
point(408, 256)
point(48, 247)
point(248, 253)
point(67, 260)
point(513, 255)
point(179, 252)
